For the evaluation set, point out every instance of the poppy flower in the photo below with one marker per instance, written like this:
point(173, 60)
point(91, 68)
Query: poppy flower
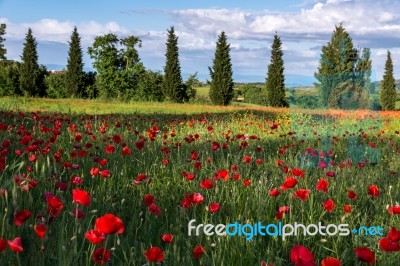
point(222, 174)
point(302, 194)
point(101, 256)
point(373, 191)
point(109, 224)
point(298, 172)
point(110, 149)
point(21, 216)
point(15, 245)
point(351, 194)
point(81, 197)
point(391, 242)
point(167, 238)
point(148, 199)
point(274, 192)
point(94, 171)
point(95, 236)
point(139, 145)
point(329, 205)
point(54, 206)
point(40, 230)
point(197, 198)
point(246, 182)
point(290, 182)
point(301, 256)
point(188, 176)
point(126, 151)
point(247, 159)
point(214, 207)
point(347, 208)
point(3, 245)
point(154, 254)
point(105, 173)
point(330, 174)
point(365, 254)
point(206, 184)
point(331, 262)
point(154, 209)
point(394, 209)
point(198, 251)
point(322, 185)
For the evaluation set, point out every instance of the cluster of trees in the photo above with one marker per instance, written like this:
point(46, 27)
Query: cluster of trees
point(343, 74)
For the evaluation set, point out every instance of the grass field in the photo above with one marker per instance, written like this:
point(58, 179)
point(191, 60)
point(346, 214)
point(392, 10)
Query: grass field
point(86, 182)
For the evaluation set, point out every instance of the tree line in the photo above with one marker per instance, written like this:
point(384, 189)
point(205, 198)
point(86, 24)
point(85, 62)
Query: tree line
point(343, 76)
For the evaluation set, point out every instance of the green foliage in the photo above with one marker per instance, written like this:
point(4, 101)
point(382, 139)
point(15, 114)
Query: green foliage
point(388, 86)
point(348, 95)
point(74, 76)
point(341, 63)
point(9, 78)
point(55, 83)
point(191, 83)
point(221, 85)
point(252, 94)
point(31, 74)
point(149, 87)
point(89, 81)
point(275, 77)
point(3, 50)
point(173, 87)
point(117, 70)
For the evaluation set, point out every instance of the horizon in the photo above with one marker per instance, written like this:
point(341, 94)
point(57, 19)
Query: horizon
point(304, 27)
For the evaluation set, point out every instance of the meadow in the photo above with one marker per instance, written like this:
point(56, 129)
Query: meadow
point(94, 182)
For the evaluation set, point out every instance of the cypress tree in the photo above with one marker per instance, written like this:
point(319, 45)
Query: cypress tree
point(337, 63)
point(388, 86)
point(74, 74)
point(31, 82)
point(221, 86)
point(275, 77)
point(172, 80)
point(3, 50)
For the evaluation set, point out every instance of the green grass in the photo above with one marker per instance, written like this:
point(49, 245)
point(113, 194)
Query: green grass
point(203, 91)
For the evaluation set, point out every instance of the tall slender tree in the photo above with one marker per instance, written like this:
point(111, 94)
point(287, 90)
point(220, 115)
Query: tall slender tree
point(275, 77)
point(31, 78)
point(221, 85)
point(74, 75)
point(388, 86)
point(172, 81)
point(3, 50)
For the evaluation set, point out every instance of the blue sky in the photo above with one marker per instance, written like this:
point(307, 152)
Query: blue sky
point(304, 26)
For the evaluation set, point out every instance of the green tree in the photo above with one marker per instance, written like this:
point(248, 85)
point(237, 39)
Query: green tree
point(55, 83)
point(337, 63)
point(172, 85)
point(275, 77)
point(31, 74)
point(388, 86)
point(3, 50)
point(74, 75)
point(117, 64)
point(221, 84)
point(9, 78)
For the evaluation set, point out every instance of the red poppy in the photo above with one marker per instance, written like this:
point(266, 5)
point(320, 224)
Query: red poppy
point(365, 254)
point(95, 236)
point(391, 242)
point(347, 208)
point(351, 194)
point(198, 251)
point(154, 209)
point(21, 216)
point(214, 207)
point(284, 209)
point(40, 230)
point(167, 238)
point(154, 254)
point(247, 159)
point(126, 151)
point(274, 192)
point(54, 206)
point(301, 256)
point(246, 182)
point(105, 173)
point(331, 262)
point(330, 174)
point(148, 199)
point(302, 194)
point(322, 185)
point(197, 198)
point(101, 256)
point(15, 245)
point(298, 172)
point(140, 145)
point(394, 209)
point(215, 146)
point(206, 183)
point(188, 176)
point(329, 205)
point(290, 182)
point(3, 244)
point(373, 191)
point(76, 180)
point(94, 171)
point(222, 174)
point(81, 197)
point(109, 224)
point(110, 149)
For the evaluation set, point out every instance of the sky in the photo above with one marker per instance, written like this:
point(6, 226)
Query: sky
point(304, 26)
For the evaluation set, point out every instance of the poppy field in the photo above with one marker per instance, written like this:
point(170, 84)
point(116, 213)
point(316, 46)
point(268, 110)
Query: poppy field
point(120, 189)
